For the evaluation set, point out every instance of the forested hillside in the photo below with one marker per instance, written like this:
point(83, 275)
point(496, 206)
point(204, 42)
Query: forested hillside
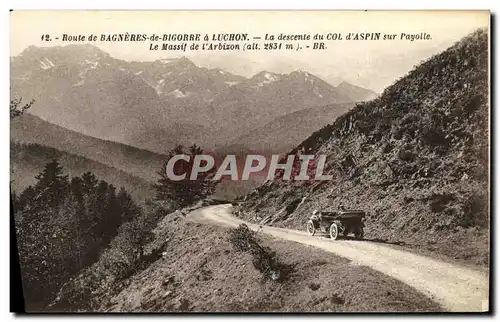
point(62, 225)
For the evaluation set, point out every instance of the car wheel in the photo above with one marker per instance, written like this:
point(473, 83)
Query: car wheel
point(359, 234)
point(334, 231)
point(310, 228)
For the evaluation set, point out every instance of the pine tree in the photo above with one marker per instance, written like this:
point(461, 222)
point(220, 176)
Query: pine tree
point(111, 218)
point(51, 186)
point(128, 209)
point(17, 110)
point(77, 188)
point(89, 183)
point(185, 192)
point(26, 197)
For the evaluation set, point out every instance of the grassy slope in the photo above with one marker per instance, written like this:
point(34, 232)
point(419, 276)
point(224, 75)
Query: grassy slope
point(202, 272)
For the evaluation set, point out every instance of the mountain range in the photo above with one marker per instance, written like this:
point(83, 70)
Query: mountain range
point(155, 105)
point(125, 116)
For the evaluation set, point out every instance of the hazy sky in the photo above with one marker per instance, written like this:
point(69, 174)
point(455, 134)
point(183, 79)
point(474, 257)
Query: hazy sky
point(372, 64)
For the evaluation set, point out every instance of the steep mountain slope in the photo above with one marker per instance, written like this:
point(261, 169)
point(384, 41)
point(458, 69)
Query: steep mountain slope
point(28, 160)
point(141, 163)
point(282, 133)
point(416, 159)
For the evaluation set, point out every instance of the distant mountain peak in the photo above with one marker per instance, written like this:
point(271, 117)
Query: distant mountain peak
point(306, 76)
point(265, 77)
point(345, 84)
point(356, 93)
point(179, 62)
point(46, 63)
point(82, 48)
point(165, 61)
point(46, 58)
point(220, 71)
point(301, 72)
point(266, 74)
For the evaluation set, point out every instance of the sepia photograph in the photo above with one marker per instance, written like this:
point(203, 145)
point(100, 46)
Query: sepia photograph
point(250, 161)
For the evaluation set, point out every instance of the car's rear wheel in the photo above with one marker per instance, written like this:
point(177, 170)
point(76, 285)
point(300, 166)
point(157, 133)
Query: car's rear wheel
point(310, 228)
point(359, 234)
point(345, 231)
point(334, 231)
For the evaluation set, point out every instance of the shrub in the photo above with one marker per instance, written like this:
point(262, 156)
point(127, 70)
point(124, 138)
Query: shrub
point(293, 205)
point(387, 147)
point(406, 155)
point(475, 211)
point(264, 259)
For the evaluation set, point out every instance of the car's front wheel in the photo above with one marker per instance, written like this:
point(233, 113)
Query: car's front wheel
point(310, 228)
point(334, 231)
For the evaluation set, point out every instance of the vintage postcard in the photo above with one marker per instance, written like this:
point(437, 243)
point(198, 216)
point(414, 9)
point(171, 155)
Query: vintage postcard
point(250, 161)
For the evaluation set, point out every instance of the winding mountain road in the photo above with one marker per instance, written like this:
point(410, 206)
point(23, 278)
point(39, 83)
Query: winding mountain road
point(456, 288)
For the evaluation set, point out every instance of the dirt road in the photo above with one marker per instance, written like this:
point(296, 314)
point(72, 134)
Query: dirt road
point(456, 288)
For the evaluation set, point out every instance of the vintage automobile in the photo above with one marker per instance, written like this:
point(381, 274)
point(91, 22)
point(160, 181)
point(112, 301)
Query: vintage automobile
point(336, 223)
